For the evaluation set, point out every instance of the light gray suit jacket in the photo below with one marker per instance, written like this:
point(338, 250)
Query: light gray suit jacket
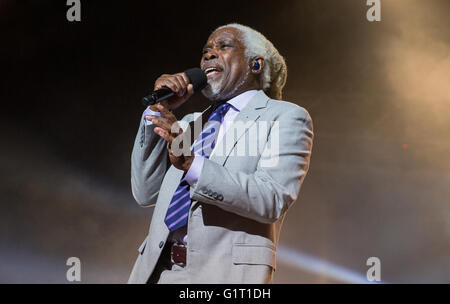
point(238, 203)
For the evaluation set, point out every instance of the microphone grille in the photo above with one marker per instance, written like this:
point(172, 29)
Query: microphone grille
point(197, 78)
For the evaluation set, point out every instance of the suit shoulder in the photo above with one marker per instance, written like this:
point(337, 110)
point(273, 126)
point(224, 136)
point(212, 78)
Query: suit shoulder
point(281, 107)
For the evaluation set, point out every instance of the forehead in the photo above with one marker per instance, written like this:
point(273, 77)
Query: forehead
point(224, 34)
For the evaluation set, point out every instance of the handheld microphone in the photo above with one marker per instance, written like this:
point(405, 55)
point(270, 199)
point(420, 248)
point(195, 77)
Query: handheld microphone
point(196, 77)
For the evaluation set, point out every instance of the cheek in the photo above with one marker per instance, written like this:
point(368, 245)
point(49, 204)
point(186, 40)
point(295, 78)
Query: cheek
point(237, 71)
point(202, 61)
point(235, 68)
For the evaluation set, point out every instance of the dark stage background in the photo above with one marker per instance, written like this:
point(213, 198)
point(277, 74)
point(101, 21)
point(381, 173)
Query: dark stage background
point(378, 93)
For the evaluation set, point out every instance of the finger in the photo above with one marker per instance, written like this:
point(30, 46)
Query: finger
point(190, 89)
point(162, 122)
point(158, 82)
point(173, 85)
point(168, 83)
point(166, 113)
point(170, 125)
point(182, 87)
point(185, 78)
point(164, 134)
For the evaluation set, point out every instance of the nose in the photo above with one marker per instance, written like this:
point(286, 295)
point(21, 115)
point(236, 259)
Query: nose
point(210, 55)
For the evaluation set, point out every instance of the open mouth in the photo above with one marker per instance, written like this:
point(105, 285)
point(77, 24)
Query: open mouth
point(211, 72)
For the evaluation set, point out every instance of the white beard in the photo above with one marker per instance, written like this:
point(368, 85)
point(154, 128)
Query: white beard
point(213, 90)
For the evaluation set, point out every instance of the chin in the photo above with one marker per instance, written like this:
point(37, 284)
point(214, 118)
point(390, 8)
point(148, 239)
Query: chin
point(212, 92)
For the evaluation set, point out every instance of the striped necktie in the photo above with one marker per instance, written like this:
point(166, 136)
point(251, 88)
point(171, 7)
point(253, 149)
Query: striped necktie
point(178, 212)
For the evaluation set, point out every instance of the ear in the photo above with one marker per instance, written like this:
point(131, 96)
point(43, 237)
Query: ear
point(257, 65)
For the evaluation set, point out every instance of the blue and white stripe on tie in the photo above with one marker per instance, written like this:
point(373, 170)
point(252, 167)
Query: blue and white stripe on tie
point(178, 212)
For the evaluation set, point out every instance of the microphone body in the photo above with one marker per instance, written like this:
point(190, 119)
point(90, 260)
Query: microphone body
point(196, 77)
point(157, 96)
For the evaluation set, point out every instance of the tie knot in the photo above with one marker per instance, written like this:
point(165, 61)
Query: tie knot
point(219, 112)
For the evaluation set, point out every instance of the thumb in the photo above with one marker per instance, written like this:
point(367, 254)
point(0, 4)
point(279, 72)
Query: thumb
point(190, 89)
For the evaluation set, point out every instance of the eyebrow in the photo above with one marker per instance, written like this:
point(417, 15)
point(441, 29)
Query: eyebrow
point(222, 40)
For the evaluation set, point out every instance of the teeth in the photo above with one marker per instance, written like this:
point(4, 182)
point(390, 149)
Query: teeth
point(209, 70)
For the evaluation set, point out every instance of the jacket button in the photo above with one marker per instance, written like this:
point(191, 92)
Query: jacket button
point(204, 190)
point(210, 193)
point(215, 195)
point(161, 244)
point(220, 197)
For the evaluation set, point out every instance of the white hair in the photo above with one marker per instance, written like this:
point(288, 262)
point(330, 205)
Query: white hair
point(274, 71)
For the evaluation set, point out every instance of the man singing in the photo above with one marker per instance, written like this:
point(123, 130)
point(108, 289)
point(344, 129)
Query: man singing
point(220, 207)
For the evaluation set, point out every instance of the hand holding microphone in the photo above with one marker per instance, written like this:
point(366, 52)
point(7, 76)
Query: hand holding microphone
point(172, 91)
point(175, 89)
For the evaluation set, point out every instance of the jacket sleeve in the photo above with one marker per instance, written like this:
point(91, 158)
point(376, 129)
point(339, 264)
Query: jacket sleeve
point(266, 194)
point(149, 164)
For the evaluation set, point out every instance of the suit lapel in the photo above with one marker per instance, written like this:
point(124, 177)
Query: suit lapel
point(246, 117)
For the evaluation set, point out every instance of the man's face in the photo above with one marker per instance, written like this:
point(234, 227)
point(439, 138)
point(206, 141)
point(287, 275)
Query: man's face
point(225, 65)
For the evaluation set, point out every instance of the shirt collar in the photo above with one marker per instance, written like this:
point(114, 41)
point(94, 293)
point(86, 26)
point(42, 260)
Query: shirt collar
point(239, 102)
